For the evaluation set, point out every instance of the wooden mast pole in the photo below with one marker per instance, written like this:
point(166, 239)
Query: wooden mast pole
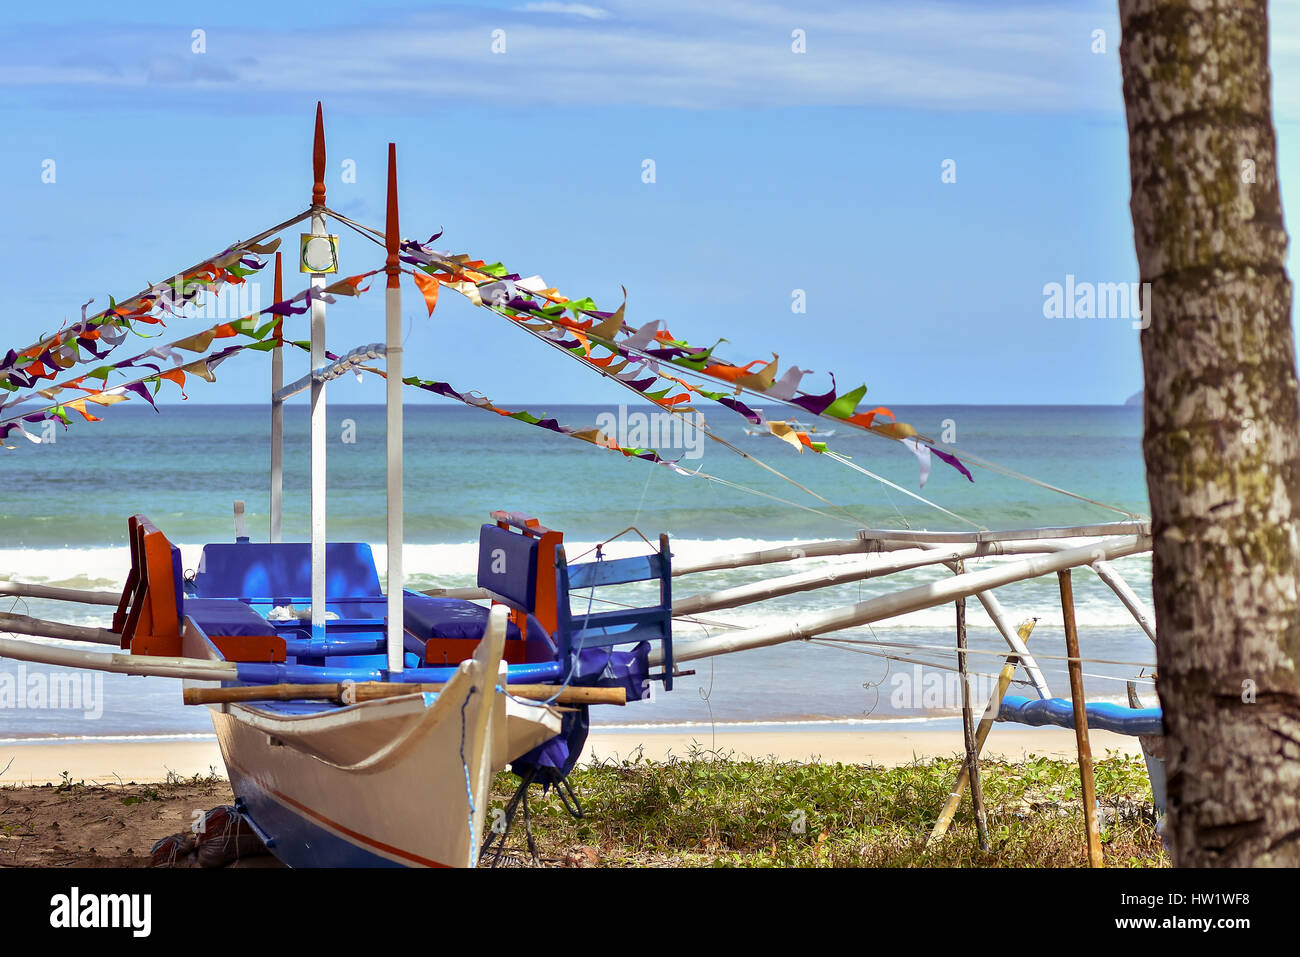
point(1080, 720)
point(277, 410)
point(393, 403)
point(318, 422)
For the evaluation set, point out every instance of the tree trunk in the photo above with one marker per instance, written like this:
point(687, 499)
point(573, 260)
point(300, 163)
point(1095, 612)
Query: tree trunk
point(1222, 424)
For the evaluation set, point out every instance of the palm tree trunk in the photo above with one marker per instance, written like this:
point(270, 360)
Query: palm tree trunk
point(1222, 424)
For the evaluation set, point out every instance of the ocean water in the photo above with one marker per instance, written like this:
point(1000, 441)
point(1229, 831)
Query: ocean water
point(64, 506)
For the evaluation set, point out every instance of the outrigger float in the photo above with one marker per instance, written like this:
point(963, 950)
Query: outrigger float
point(361, 722)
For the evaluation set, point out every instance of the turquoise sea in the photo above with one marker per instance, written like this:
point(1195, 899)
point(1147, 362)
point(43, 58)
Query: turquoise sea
point(64, 505)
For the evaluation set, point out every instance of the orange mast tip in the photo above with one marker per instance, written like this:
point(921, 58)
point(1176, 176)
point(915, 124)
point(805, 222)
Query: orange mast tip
point(318, 160)
point(392, 230)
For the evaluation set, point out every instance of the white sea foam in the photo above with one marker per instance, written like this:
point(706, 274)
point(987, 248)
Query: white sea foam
point(108, 738)
point(455, 564)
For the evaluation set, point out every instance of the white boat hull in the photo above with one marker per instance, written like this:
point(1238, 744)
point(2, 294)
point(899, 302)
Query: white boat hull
point(394, 782)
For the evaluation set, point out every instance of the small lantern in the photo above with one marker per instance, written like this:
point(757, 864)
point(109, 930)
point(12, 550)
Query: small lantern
point(318, 254)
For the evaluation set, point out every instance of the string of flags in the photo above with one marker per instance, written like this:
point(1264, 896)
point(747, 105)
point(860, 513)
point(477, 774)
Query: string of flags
point(94, 337)
point(637, 356)
point(591, 434)
point(262, 338)
point(666, 370)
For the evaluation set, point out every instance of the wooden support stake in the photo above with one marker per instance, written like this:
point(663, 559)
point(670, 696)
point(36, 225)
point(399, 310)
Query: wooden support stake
point(374, 690)
point(981, 735)
point(968, 728)
point(1080, 720)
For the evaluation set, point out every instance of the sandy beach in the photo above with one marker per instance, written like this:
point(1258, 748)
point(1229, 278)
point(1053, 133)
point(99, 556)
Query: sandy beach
point(143, 762)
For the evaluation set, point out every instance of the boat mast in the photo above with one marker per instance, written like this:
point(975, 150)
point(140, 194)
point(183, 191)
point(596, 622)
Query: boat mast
point(318, 423)
point(277, 411)
point(393, 405)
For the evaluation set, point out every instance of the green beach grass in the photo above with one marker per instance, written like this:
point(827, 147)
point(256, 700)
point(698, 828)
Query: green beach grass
point(709, 810)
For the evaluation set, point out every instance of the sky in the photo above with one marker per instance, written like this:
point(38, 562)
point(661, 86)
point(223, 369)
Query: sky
point(921, 172)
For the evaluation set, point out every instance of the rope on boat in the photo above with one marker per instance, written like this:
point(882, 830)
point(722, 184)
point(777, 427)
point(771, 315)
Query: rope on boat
point(776, 498)
point(373, 234)
point(906, 659)
point(852, 521)
point(1011, 473)
point(843, 460)
point(292, 221)
point(963, 453)
point(469, 788)
point(700, 426)
point(910, 661)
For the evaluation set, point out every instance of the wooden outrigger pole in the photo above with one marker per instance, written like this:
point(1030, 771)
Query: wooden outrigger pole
point(55, 593)
point(908, 600)
point(355, 692)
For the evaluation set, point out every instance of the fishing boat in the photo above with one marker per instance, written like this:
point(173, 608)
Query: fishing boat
point(793, 425)
point(361, 725)
point(361, 721)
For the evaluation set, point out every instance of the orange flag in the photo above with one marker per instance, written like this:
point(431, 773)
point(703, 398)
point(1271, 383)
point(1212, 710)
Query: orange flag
point(177, 376)
point(80, 406)
point(865, 419)
point(428, 288)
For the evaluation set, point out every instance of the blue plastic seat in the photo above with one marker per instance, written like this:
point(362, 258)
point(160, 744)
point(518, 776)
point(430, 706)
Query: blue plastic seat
point(221, 617)
point(281, 571)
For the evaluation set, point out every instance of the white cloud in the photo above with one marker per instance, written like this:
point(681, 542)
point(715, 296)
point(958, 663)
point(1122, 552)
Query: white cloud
point(1006, 56)
point(572, 9)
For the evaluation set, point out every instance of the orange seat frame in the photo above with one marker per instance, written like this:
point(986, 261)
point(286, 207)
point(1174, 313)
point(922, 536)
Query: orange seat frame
point(149, 615)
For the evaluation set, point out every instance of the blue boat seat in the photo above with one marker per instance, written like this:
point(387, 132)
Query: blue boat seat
point(222, 617)
point(281, 571)
point(447, 630)
point(507, 567)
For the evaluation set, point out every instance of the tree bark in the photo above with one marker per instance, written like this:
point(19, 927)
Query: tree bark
point(1222, 424)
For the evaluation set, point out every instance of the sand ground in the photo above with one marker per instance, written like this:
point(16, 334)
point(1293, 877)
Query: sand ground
point(142, 762)
point(107, 810)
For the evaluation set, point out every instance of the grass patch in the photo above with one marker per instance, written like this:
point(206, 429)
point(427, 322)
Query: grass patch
point(710, 810)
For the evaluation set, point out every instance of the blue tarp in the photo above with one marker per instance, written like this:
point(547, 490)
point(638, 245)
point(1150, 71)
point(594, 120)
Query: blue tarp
point(1102, 715)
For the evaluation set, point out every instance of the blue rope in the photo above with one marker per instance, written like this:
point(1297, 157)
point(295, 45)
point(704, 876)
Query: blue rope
point(469, 790)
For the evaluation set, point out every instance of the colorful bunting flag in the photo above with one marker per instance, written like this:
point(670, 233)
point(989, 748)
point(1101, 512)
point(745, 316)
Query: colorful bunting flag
point(632, 352)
